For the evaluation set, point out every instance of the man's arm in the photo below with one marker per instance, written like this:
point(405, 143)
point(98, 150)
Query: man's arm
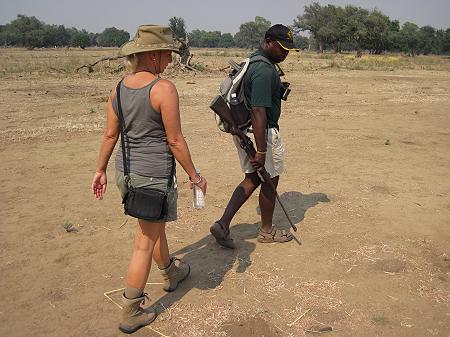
point(259, 119)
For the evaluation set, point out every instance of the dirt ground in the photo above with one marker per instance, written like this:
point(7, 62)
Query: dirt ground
point(367, 182)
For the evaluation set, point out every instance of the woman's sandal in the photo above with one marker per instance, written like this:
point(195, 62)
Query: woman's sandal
point(222, 235)
point(275, 235)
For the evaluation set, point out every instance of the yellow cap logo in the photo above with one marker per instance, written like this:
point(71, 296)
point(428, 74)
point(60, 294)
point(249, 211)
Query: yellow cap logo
point(290, 35)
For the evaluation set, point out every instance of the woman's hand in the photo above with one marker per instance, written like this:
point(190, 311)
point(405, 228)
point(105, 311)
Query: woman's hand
point(99, 184)
point(200, 182)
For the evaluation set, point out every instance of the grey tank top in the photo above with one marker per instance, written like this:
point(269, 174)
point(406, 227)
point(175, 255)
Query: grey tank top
point(146, 142)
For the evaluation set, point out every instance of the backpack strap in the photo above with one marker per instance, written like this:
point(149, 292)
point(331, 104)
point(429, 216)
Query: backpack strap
point(260, 58)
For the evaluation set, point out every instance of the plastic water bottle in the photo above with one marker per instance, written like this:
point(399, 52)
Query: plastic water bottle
point(199, 198)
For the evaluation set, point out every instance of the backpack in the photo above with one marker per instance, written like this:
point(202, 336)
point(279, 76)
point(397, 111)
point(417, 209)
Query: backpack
point(234, 84)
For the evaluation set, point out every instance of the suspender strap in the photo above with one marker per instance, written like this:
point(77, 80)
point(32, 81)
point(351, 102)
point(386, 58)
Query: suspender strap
point(123, 135)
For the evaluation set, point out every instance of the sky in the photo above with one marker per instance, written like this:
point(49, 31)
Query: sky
point(222, 15)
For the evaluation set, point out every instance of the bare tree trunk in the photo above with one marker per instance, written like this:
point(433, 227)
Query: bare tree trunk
point(185, 53)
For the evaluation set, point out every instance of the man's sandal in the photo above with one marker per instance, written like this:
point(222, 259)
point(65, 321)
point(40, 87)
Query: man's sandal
point(275, 235)
point(222, 235)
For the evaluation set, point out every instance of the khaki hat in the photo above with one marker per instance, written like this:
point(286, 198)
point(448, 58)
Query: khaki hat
point(150, 38)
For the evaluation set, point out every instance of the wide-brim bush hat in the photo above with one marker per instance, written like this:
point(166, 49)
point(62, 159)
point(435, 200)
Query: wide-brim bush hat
point(150, 38)
point(283, 35)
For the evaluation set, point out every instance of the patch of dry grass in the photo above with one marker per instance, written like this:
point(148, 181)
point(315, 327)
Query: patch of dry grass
point(424, 274)
point(386, 62)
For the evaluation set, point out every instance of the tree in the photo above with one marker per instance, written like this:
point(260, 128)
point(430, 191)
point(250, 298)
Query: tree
point(251, 33)
point(313, 21)
point(55, 36)
point(409, 35)
point(35, 38)
point(441, 44)
point(211, 39)
point(178, 27)
point(112, 37)
point(427, 36)
point(202, 38)
point(79, 38)
point(23, 28)
point(9, 36)
point(394, 43)
point(332, 30)
point(301, 42)
point(446, 41)
point(226, 41)
point(195, 38)
point(377, 27)
point(327, 25)
point(179, 31)
point(356, 28)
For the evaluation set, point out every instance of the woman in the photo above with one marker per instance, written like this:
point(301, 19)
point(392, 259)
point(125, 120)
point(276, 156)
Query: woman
point(153, 128)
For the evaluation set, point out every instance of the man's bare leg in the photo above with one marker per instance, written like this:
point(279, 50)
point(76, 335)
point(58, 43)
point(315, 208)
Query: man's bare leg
point(240, 195)
point(267, 204)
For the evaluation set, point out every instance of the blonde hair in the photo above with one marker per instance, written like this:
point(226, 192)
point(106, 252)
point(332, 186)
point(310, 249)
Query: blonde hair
point(131, 63)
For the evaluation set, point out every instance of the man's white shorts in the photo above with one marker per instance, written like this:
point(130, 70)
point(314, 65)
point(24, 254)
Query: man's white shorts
point(274, 157)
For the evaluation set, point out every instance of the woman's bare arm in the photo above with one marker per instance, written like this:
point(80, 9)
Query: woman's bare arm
point(164, 98)
point(110, 137)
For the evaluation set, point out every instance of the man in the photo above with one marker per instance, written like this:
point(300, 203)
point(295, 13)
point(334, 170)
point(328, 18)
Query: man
point(263, 87)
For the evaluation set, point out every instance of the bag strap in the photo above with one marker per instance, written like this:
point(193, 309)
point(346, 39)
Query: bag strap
point(123, 134)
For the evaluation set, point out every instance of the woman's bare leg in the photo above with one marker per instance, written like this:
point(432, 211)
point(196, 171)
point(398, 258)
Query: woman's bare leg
point(147, 235)
point(161, 250)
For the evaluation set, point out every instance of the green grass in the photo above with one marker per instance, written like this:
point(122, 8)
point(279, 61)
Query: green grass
point(69, 227)
point(379, 319)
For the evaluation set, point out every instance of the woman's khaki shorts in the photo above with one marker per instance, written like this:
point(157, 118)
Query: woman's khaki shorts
point(274, 157)
point(154, 183)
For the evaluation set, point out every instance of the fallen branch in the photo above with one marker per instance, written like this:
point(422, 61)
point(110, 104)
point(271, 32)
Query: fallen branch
point(90, 66)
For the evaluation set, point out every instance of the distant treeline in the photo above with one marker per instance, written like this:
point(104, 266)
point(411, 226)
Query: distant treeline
point(356, 28)
point(29, 32)
point(330, 27)
point(337, 28)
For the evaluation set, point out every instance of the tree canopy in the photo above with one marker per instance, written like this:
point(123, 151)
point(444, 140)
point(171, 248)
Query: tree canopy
point(29, 32)
point(361, 29)
point(112, 37)
point(329, 27)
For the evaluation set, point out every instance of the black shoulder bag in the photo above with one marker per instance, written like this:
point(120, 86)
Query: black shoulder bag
point(142, 203)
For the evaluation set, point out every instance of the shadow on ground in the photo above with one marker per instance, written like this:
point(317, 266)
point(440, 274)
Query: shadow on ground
point(210, 262)
point(296, 205)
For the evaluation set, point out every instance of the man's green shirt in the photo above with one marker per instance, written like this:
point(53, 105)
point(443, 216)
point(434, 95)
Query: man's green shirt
point(262, 86)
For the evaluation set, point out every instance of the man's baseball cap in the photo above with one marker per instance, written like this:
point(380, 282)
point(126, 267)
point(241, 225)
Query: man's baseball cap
point(282, 35)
